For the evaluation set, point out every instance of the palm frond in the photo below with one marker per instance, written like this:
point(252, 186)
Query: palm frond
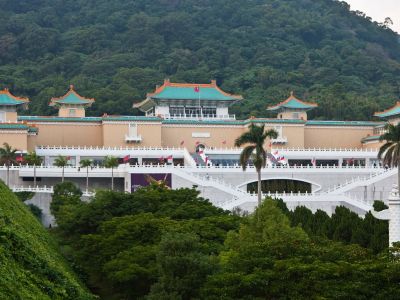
point(389, 153)
point(246, 155)
point(271, 133)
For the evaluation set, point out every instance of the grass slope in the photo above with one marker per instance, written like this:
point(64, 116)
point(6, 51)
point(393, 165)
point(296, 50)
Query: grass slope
point(30, 266)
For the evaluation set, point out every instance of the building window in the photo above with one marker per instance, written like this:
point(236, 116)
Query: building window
point(2, 116)
point(177, 111)
point(295, 115)
point(209, 111)
point(278, 129)
point(192, 111)
point(132, 130)
point(72, 112)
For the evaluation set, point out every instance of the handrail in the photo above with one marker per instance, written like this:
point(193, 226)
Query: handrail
point(298, 149)
point(210, 167)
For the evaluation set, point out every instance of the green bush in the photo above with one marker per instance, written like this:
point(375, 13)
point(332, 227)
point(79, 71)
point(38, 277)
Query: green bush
point(30, 266)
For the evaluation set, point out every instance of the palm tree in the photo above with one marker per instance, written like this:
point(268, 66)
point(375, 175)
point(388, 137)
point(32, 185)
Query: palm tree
point(34, 160)
point(389, 152)
point(86, 163)
point(61, 161)
point(254, 139)
point(111, 162)
point(8, 157)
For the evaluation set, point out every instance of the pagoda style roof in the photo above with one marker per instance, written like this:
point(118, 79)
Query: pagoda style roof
point(186, 92)
point(192, 91)
point(293, 103)
point(6, 98)
point(390, 112)
point(72, 98)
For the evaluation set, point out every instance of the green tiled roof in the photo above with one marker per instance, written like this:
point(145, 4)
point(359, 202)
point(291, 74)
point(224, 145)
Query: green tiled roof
point(6, 98)
point(232, 122)
point(395, 110)
point(189, 93)
point(71, 98)
point(13, 126)
point(192, 91)
point(87, 119)
point(33, 129)
point(203, 122)
point(58, 119)
point(131, 118)
point(281, 121)
point(342, 123)
point(292, 103)
point(371, 138)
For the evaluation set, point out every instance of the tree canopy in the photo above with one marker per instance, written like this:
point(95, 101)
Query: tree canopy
point(158, 243)
point(117, 51)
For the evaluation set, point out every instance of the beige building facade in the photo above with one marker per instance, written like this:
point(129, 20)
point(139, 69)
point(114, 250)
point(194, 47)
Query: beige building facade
point(190, 115)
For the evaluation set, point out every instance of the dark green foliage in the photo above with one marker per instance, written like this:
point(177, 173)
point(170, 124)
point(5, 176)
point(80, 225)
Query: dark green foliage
point(30, 266)
point(269, 259)
point(65, 194)
point(170, 244)
point(379, 205)
point(121, 240)
point(24, 196)
point(117, 51)
point(183, 267)
point(343, 226)
point(36, 211)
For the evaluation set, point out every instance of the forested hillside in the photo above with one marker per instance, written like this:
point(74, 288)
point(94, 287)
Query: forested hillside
point(30, 266)
point(118, 50)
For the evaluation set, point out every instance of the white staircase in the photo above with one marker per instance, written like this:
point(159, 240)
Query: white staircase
point(362, 181)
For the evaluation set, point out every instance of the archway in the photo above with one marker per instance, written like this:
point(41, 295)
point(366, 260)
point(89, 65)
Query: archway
point(280, 186)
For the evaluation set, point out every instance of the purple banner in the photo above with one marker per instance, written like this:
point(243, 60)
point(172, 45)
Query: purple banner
point(144, 179)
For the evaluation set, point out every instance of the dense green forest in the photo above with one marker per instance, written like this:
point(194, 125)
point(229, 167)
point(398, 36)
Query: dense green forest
point(118, 50)
point(158, 243)
point(31, 266)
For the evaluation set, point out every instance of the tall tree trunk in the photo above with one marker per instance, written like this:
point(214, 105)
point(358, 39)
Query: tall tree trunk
point(34, 175)
point(259, 194)
point(398, 178)
point(87, 179)
point(112, 178)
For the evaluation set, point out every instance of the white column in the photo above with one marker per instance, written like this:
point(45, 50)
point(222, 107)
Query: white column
point(394, 213)
point(78, 160)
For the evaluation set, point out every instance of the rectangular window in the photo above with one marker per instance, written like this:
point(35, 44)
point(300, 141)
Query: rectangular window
point(72, 112)
point(132, 130)
point(210, 112)
point(177, 111)
point(278, 129)
point(2, 116)
point(296, 115)
point(192, 111)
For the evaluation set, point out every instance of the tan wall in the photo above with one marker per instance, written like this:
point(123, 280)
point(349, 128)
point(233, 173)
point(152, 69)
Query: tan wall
point(15, 140)
point(65, 134)
point(11, 116)
point(64, 112)
point(32, 142)
point(295, 136)
point(289, 115)
point(335, 137)
point(114, 134)
point(173, 135)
